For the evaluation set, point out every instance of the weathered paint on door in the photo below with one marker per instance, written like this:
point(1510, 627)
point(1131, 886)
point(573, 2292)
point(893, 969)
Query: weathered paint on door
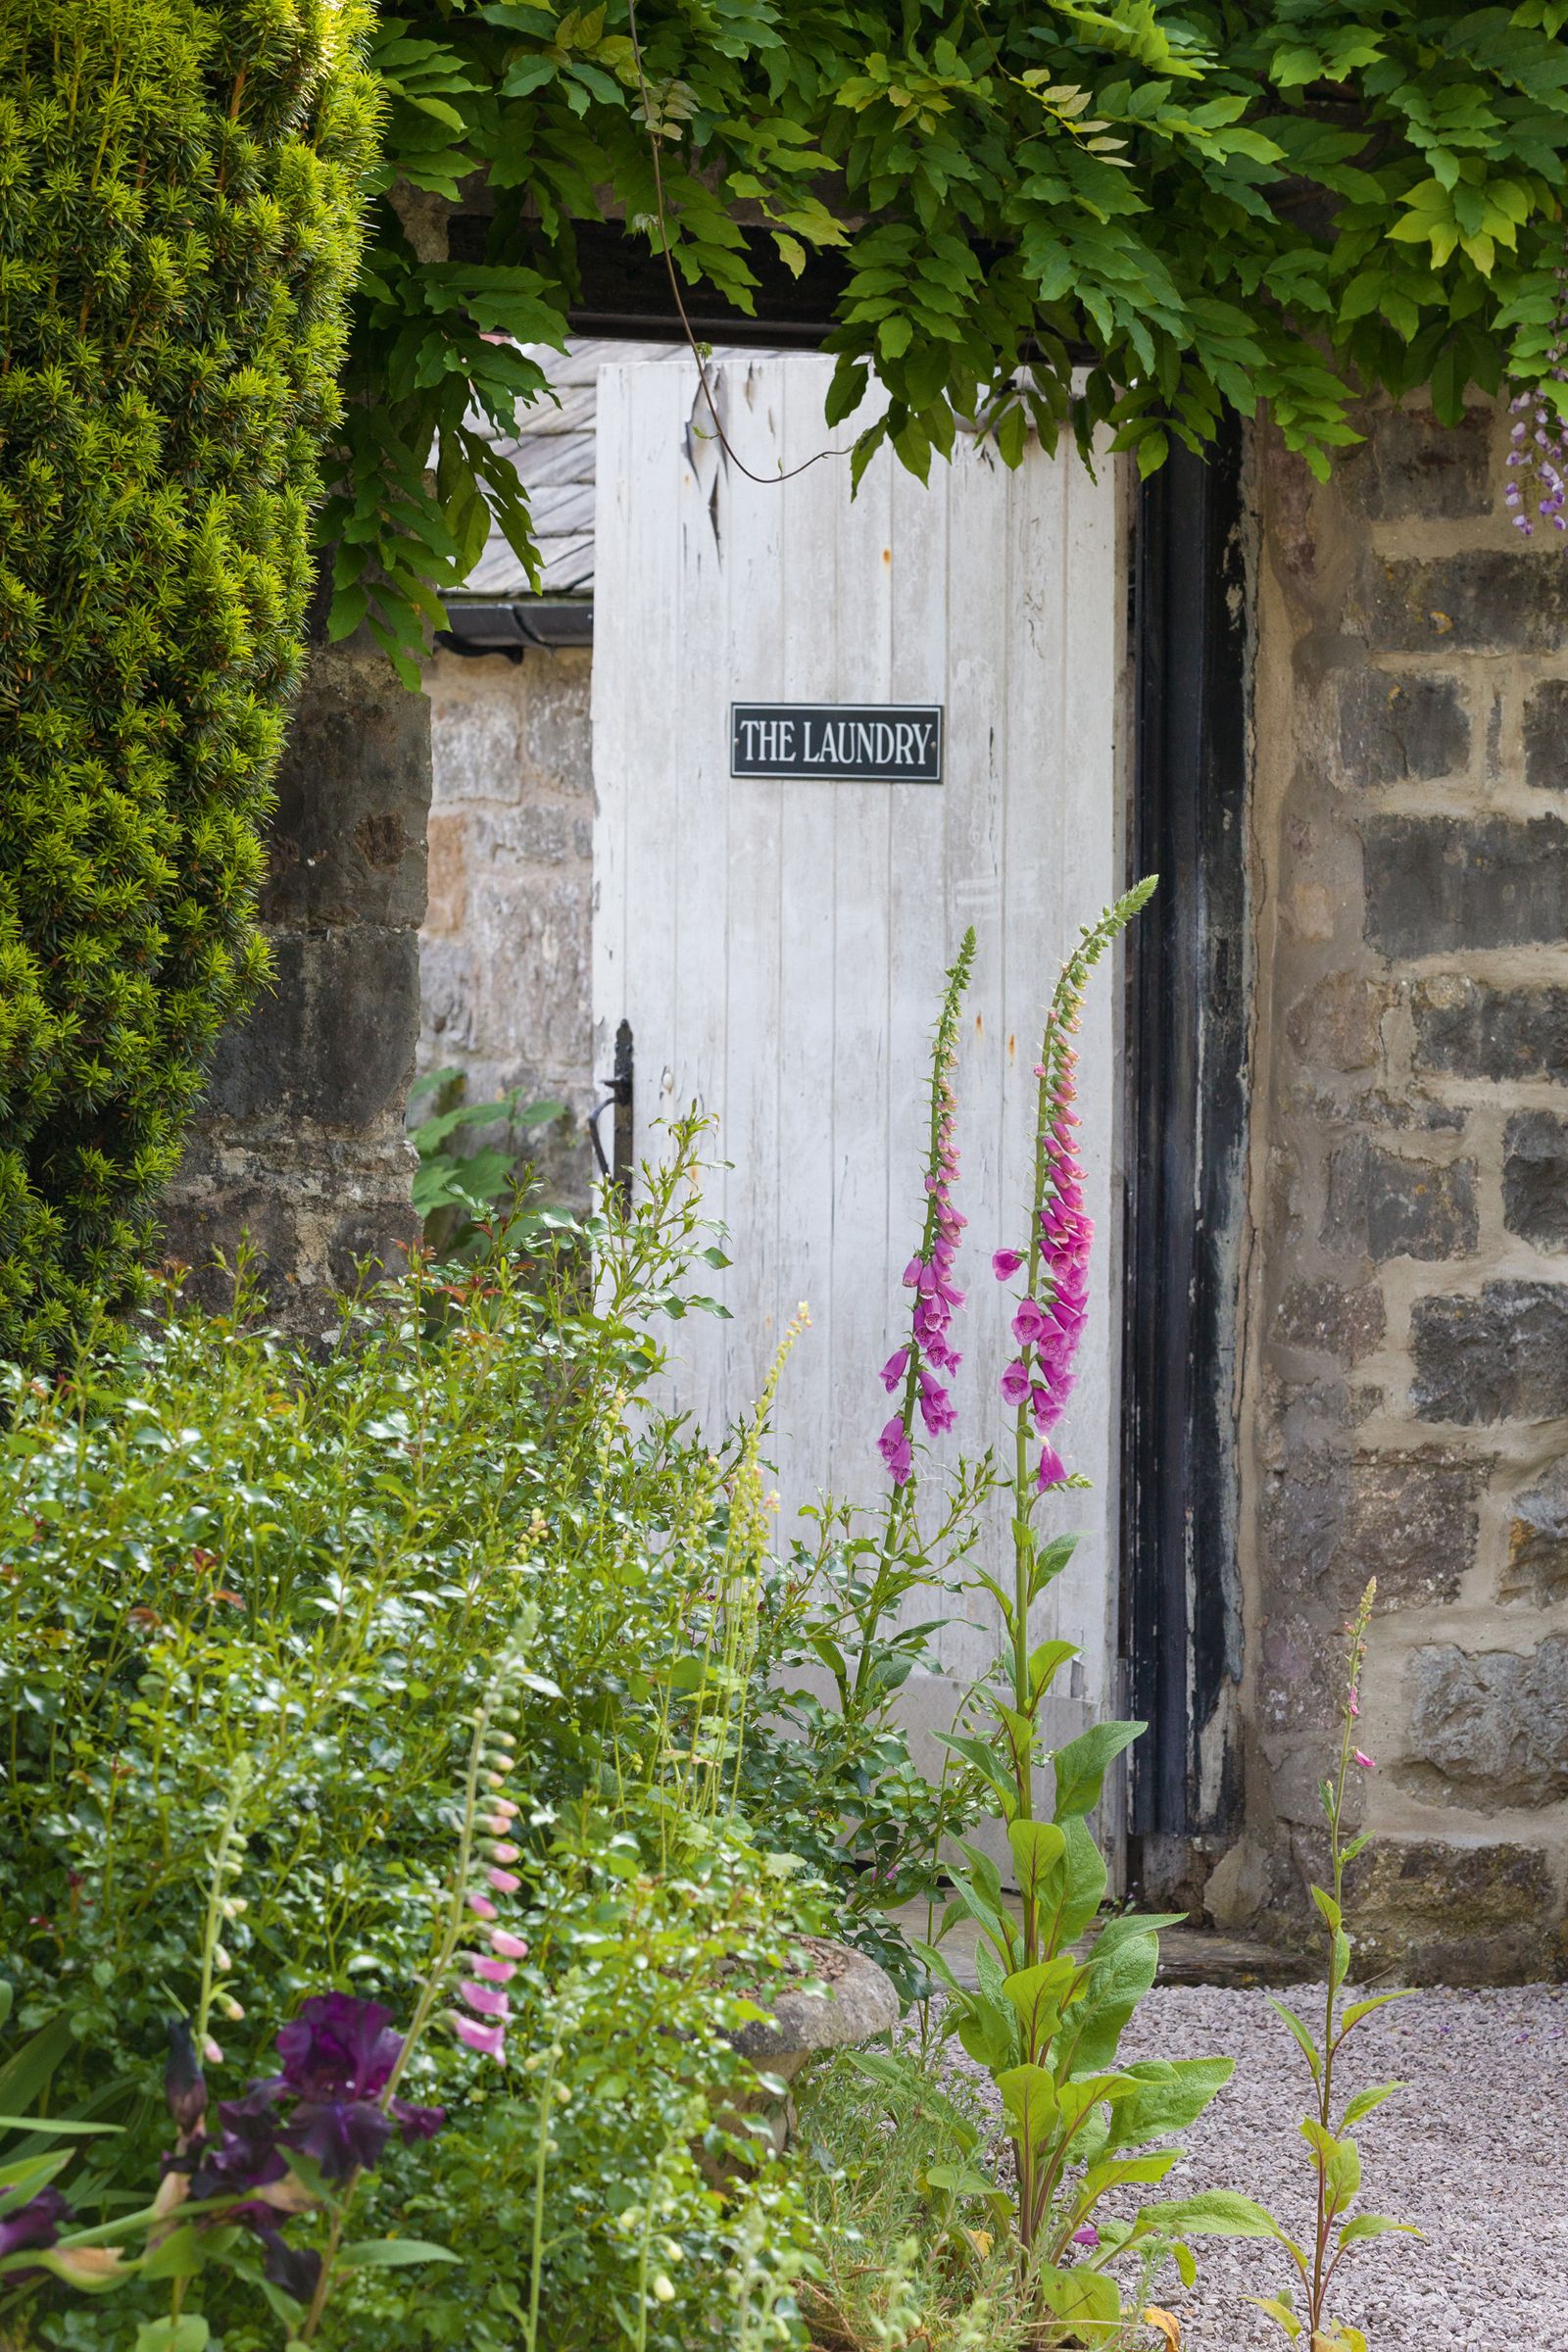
point(778, 947)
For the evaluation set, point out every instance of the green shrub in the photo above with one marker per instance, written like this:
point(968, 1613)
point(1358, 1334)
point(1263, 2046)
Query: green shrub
point(180, 200)
point(237, 1574)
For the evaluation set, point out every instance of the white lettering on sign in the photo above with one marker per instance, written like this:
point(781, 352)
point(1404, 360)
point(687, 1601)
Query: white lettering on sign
point(848, 743)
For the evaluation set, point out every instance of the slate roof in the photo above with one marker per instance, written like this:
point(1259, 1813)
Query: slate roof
point(553, 450)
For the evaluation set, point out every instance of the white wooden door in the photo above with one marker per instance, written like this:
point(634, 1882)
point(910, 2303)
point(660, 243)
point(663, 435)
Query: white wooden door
point(778, 947)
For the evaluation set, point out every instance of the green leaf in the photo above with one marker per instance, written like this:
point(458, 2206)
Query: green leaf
point(1308, 2047)
point(1375, 2225)
point(1029, 2097)
point(1280, 2313)
point(1364, 2101)
point(1212, 2213)
point(393, 2253)
point(1082, 1764)
point(25, 2075)
point(1380, 2000)
point(1038, 1849)
point(188, 2333)
point(1169, 2094)
point(180, 2255)
point(1117, 1983)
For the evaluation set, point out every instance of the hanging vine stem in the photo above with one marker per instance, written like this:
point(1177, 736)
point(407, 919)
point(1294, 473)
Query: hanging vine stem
point(768, 480)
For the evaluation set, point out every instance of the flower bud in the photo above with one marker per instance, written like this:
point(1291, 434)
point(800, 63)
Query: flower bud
point(185, 2084)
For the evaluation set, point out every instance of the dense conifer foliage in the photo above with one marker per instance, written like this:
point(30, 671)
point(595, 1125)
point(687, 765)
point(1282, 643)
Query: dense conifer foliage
point(179, 210)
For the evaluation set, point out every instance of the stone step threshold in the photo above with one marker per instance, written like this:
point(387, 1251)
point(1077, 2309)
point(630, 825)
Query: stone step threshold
point(1186, 1955)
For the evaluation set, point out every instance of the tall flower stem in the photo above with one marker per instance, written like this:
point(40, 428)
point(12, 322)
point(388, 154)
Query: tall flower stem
point(915, 1370)
point(482, 1755)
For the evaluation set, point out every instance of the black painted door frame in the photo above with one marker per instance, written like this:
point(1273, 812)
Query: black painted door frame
point(1187, 1139)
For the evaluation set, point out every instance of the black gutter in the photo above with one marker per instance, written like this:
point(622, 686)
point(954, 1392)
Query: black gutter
point(510, 625)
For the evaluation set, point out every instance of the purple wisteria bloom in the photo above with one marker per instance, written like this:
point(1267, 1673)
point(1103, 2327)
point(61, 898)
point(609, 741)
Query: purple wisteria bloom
point(1538, 438)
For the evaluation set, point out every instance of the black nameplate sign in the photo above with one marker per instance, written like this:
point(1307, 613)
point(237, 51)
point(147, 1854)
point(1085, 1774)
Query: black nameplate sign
point(842, 743)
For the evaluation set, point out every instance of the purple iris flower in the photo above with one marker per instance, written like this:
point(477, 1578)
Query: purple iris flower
point(338, 2055)
point(33, 2225)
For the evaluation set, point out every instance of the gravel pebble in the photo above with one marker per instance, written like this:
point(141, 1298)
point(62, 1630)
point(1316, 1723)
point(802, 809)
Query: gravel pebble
point(1472, 2152)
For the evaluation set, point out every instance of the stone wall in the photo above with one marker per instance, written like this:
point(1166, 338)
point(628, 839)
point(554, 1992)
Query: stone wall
point(299, 1142)
point(1405, 1401)
point(505, 948)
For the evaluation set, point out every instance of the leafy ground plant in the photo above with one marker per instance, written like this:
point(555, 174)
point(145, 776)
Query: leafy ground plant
point(464, 1182)
point(231, 1564)
point(1335, 2156)
point(908, 2231)
point(1044, 2021)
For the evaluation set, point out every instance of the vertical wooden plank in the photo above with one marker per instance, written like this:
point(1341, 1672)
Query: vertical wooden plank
point(610, 716)
point(750, 647)
point(863, 838)
point(810, 619)
point(691, 573)
point(1087, 566)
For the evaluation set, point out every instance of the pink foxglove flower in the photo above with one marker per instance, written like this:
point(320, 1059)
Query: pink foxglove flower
point(1053, 1469)
point(504, 1881)
point(896, 1450)
point(489, 2040)
point(495, 1972)
point(1004, 1263)
point(487, 2000)
point(1367, 1763)
point(510, 1947)
point(929, 1351)
point(1016, 1382)
point(482, 1907)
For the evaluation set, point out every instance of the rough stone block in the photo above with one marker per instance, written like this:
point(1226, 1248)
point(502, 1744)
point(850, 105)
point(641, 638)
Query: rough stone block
point(1337, 1024)
point(533, 987)
point(1481, 601)
point(334, 1044)
point(476, 727)
point(1501, 1354)
point(1535, 1178)
point(1407, 1518)
point(1382, 1205)
point(1469, 1029)
point(1330, 1320)
point(1392, 728)
point(557, 733)
point(1546, 736)
point(1489, 1730)
point(202, 1224)
point(1446, 1914)
point(346, 843)
point(1538, 1542)
point(448, 905)
point(1438, 883)
point(1411, 466)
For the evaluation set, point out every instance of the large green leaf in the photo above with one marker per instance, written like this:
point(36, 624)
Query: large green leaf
point(1172, 2093)
point(1081, 1765)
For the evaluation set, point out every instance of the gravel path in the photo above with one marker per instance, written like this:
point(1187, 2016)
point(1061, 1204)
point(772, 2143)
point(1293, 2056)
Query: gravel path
point(1475, 2152)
